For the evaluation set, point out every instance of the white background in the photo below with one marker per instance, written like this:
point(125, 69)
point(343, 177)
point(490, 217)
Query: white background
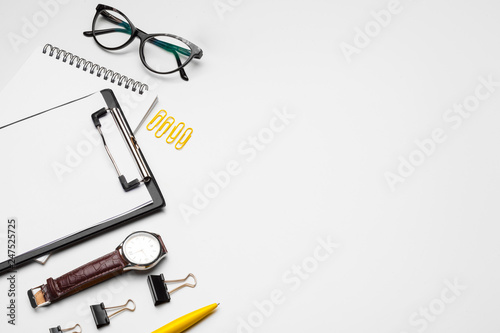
point(321, 177)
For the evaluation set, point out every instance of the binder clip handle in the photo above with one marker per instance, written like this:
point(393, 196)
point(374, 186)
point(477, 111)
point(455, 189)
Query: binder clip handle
point(101, 316)
point(58, 329)
point(190, 285)
point(122, 308)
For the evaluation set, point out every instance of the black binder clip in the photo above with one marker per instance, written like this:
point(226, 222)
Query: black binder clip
point(159, 290)
point(58, 329)
point(100, 314)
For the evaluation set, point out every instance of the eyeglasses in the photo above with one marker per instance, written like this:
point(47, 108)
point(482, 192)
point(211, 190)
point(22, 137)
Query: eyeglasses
point(160, 53)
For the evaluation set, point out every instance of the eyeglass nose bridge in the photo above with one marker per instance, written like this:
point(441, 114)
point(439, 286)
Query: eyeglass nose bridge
point(141, 34)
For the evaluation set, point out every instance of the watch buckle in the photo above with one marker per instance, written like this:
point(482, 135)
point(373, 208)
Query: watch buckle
point(31, 294)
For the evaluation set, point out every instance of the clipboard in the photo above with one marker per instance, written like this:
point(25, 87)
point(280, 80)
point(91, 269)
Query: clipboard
point(142, 194)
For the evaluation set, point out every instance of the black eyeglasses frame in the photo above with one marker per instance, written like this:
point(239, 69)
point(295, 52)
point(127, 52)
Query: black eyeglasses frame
point(195, 51)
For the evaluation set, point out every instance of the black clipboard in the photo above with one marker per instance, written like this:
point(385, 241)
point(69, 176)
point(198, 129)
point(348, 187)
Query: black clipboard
point(151, 184)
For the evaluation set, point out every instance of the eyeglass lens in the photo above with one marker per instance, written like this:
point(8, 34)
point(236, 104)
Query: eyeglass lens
point(111, 29)
point(165, 54)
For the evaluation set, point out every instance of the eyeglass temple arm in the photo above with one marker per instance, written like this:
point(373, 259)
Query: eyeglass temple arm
point(113, 18)
point(164, 45)
point(170, 47)
point(182, 72)
point(105, 31)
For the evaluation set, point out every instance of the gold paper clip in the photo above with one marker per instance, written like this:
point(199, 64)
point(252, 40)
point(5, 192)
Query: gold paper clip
point(101, 316)
point(182, 143)
point(173, 131)
point(158, 115)
point(58, 329)
point(159, 290)
point(167, 121)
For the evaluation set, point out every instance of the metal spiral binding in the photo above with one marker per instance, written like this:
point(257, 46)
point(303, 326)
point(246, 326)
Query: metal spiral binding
point(95, 68)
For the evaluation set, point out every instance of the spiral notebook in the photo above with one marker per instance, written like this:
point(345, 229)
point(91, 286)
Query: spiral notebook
point(52, 76)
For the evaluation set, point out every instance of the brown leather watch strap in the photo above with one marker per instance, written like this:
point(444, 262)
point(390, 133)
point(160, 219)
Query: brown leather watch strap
point(85, 276)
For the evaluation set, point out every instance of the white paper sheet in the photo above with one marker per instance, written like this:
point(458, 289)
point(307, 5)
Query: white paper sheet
point(55, 175)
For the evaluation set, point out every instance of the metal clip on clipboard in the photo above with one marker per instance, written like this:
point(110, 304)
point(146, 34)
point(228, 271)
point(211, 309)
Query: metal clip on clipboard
point(132, 144)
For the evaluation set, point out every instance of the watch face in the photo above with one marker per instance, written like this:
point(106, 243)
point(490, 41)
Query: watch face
point(141, 248)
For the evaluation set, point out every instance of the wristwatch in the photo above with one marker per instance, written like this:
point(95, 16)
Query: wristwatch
point(141, 250)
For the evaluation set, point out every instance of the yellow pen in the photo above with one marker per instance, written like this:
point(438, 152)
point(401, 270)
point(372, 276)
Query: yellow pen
point(183, 323)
